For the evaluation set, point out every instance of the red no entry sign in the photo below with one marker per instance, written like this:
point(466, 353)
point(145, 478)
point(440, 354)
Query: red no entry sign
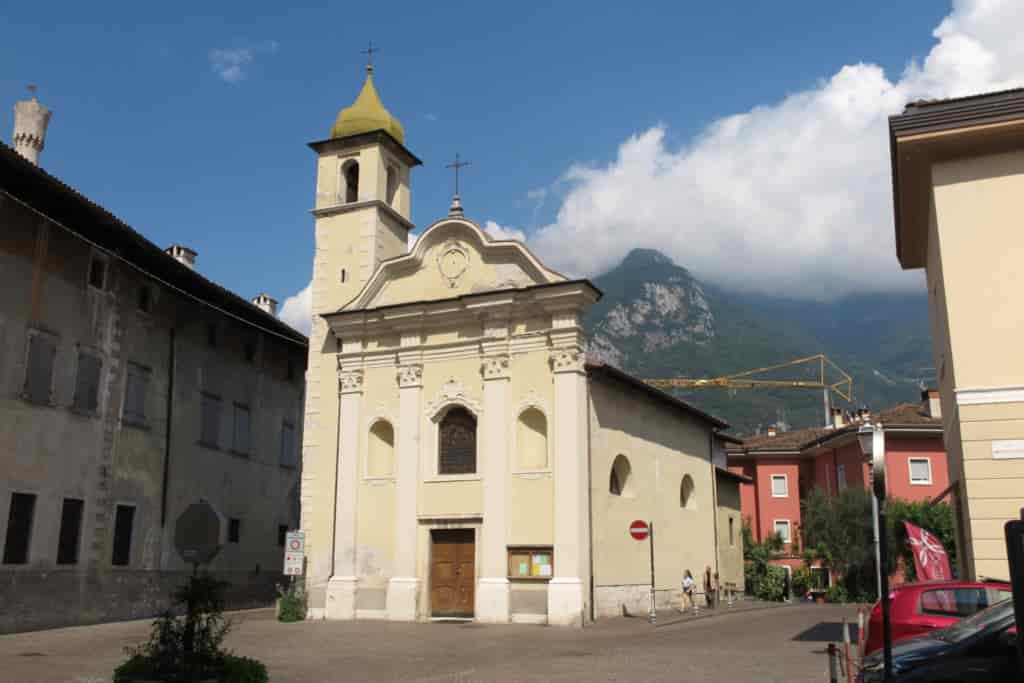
point(639, 530)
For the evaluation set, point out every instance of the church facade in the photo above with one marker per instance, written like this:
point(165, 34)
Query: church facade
point(462, 459)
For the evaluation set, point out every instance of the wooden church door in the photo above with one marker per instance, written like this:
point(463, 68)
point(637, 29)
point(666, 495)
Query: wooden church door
point(452, 573)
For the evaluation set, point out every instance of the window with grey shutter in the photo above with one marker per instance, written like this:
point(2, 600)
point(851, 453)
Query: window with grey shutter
point(87, 383)
point(240, 432)
point(42, 351)
point(287, 458)
point(210, 426)
point(135, 394)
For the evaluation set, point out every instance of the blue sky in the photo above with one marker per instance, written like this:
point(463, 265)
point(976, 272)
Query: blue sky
point(144, 124)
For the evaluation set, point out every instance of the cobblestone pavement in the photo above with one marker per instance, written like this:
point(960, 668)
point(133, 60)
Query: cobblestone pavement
point(760, 645)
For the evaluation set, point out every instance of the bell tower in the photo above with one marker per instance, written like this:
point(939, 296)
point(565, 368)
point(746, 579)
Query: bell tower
point(361, 217)
point(362, 198)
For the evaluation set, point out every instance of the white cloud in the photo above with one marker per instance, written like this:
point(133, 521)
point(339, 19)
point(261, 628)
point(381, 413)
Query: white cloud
point(230, 63)
point(792, 197)
point(297, 310)
point(500, 232)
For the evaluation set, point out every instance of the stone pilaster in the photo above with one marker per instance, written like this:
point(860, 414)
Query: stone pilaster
point(566, 589)
point(404, 586)
point(343, 586)
point(492, 596)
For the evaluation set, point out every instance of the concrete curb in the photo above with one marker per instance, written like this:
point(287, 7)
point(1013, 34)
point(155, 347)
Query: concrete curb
point(710, 614)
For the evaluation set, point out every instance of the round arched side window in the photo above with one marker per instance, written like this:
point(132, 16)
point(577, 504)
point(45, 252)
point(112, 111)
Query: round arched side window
point(619, 480)
point(686, 497)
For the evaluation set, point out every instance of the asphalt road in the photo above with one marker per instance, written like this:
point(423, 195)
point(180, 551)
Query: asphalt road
point(778, 644)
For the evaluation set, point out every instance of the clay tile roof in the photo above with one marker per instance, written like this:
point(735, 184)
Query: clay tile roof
point(907, 414)
point(784, 440)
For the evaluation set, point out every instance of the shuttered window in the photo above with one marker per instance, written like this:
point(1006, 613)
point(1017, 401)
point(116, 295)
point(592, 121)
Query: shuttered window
point(287, 458)
point(87, 383)
point(240, 430)
point(135, 390)
point(42, 351)
point(457, 442)
point(210, 435)
point(19, 528)
point(70, 531)
point(124, 520)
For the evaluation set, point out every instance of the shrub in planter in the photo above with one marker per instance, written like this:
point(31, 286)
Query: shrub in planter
point(772, 585)
point(291, 604)
point(837, 593)
point(185, 642)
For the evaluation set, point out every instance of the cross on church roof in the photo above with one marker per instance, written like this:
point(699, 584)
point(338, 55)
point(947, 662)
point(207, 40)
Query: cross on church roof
point(457, 165)
point(370, 49)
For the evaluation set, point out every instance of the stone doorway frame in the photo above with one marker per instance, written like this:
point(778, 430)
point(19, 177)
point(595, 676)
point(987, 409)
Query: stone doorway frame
point(427, 525)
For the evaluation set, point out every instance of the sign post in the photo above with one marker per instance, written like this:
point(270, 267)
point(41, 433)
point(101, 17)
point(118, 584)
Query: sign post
point(641, 530)
point(294, 553)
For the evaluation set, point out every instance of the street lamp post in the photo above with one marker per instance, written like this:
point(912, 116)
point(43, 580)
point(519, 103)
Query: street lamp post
point(872, 444)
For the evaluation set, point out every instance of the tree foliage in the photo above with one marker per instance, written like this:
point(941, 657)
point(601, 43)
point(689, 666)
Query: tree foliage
point(937, 518)
point(757, 570)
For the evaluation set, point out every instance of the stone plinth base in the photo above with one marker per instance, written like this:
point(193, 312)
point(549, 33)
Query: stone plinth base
point(341, 597)
point(565, 602)
point(403, 596)
point(492, 601)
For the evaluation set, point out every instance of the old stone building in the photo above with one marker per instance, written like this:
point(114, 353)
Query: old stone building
point(462, 459)
point(130, 387)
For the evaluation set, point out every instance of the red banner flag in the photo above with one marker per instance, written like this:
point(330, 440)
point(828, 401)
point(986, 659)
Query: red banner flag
point(930, 557)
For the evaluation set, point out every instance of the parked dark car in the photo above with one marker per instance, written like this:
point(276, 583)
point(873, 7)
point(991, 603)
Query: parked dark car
point(975, 649)
point(918, 608)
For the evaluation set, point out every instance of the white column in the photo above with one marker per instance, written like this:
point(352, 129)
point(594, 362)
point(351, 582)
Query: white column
point(343, 585)
point(566, 589)
point(404, 586)
point(492, 596)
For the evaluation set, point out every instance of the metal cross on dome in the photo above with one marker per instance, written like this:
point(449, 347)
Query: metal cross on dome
point(370, 49)
point(457, 164)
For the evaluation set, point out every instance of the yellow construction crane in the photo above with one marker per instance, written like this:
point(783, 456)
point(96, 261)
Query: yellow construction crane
point(747, 380)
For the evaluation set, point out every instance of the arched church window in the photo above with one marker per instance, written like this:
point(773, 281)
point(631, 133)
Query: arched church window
point(532, 440)
point(381, 452)
point(619, 480)
point(392, 188)
point(457, 442)
point(686, 499)
point(350, 173)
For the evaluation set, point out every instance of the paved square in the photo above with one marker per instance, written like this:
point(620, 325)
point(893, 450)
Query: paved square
point(744, 646)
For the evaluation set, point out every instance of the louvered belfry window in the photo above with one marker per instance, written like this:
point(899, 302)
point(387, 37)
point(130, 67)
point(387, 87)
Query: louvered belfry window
point(457, 442)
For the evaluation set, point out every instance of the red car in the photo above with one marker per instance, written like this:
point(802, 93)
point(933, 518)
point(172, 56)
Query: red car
point(917, 608)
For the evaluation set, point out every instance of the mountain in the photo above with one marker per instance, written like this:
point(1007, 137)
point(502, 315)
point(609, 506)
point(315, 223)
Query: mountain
point(657, 320)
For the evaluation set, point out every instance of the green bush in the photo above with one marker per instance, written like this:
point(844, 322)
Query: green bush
point(772, 586)
point(801, 581)
point(291, 604)
point(185, 641)
point(837, 593)
point(242, 670)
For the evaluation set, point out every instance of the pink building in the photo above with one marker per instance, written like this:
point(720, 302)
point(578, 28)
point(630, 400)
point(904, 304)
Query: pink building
point(785, 466)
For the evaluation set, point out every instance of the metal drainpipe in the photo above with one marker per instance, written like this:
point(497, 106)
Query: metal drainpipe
point(167, 432)
point(590, 503)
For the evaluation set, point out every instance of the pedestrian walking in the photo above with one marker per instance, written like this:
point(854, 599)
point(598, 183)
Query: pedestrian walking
point(688, 585)
point(707, 587)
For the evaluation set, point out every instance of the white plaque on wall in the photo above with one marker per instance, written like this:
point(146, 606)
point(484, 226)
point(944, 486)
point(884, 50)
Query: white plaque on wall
point(1008, 449)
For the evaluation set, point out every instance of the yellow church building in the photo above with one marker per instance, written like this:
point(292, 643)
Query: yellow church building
point(461, 457)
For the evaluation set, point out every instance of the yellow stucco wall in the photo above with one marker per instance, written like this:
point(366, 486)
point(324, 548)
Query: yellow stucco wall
point(730, 547)
point(974, 254)
point(662, 446)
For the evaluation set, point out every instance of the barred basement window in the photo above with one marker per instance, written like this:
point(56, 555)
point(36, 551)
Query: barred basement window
point(124, 520)
point(70, 531)
point(19, 528)
point(456, 446)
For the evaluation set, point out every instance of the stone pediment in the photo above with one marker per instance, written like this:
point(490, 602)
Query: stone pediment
point(452, 257)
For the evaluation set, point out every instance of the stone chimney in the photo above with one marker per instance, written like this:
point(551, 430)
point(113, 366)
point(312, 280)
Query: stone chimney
point(30, 121)
point(930, 403)
point(771, 430)
point(266, 303)
point(182, 254)
point(864, 415)
point(838, 420)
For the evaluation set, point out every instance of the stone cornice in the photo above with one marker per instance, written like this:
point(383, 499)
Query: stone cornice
point(334, 209)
